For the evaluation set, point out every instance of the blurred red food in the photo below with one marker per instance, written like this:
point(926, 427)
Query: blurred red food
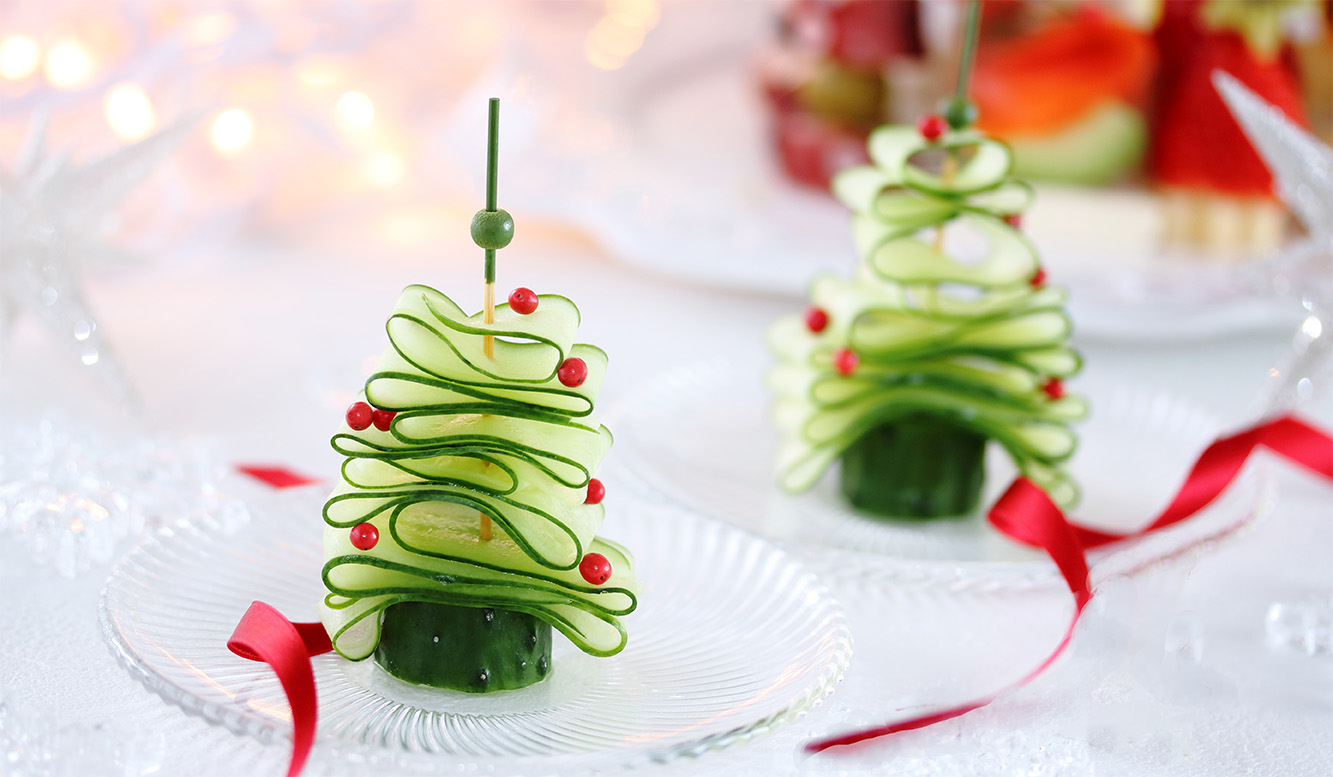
point(863, 34)
point(827, 89)
point(1196, 143)
point(812, 150)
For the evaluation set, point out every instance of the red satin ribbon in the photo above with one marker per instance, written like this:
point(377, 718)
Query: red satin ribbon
point(278, 477)
point(1025, 513)
point(265, 635)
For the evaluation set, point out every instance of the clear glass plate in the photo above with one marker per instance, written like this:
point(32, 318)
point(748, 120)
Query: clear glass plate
point(732, 637)
point(701, 435)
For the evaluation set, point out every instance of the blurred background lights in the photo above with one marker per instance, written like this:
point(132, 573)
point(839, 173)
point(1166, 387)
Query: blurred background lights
point(644, 13)
point(19, 57)
point(210, 28)
point(69, 64)
point(1312, 327)
point(619, 33)
point(355, 111)
point(231, 130)
point(611, 41)
point(319, 71)
point(129, 112)
point(385, 169)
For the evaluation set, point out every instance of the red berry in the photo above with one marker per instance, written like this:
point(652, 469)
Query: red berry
point(1014, 220)
point(816, 319)
point(359, 416)
point(595, 568)
point(870, 36)
point(845, 361)
point(381, 419)
point(1038, 278)
point(1054, 388)
point(365, 536)
point(932, 127)
point(573, 371)
point(596, 492)
point(522, 301)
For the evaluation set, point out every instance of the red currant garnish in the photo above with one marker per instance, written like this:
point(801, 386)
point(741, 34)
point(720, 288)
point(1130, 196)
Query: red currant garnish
point(573, 371)
point(522, 300)
point(816, 319)
point(1053, 388)
point(932, 127)
point(1014, 220)
point(596, 492)
point(595, 568)
point(365, 536)
point(845, 361)
point(359, 416)
point(381, 419)
point(1038, 278)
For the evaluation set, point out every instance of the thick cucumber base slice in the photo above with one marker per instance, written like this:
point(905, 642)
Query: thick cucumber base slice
point(917, 467)
point(472, 649)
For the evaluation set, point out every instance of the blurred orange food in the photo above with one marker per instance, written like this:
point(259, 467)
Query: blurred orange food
point(1042, 82)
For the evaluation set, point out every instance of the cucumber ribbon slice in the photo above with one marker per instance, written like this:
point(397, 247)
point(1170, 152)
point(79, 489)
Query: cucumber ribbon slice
point(471, 436)
point(974, 342)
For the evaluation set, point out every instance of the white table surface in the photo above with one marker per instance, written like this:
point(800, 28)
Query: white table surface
point(259, 347)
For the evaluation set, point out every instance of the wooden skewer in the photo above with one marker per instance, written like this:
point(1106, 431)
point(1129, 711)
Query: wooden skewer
point(971, 27)
point(488, 300)
point(948, 172)
point(488, 345)
point(927, 294)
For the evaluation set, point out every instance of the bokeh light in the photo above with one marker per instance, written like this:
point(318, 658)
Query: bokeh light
point(210, 28)
point(644, 13)
point(69, 64)
point(385, 169)
point(19, 57)
point(129, 112)
point(231, 130)
point(355, 111)
point(611, 41)
point(620, 33)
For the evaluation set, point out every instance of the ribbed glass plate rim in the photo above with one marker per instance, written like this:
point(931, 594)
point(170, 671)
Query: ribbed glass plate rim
point(832, 646)
point(1249, 499)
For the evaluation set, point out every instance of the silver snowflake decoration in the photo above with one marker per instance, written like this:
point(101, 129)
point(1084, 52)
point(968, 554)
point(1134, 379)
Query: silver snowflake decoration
point(1302, 170)
point(53, 219)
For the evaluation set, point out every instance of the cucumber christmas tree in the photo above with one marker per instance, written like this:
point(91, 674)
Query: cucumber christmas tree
point(905, 371)
point(464, 526)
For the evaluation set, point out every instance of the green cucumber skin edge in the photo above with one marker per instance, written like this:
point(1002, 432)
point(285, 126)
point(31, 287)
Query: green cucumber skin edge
point(469, 649)
point(911, 441)
point(538, 591)
point(919, 467)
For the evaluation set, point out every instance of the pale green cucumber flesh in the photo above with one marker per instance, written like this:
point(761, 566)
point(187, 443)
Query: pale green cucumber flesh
point(911, 424)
